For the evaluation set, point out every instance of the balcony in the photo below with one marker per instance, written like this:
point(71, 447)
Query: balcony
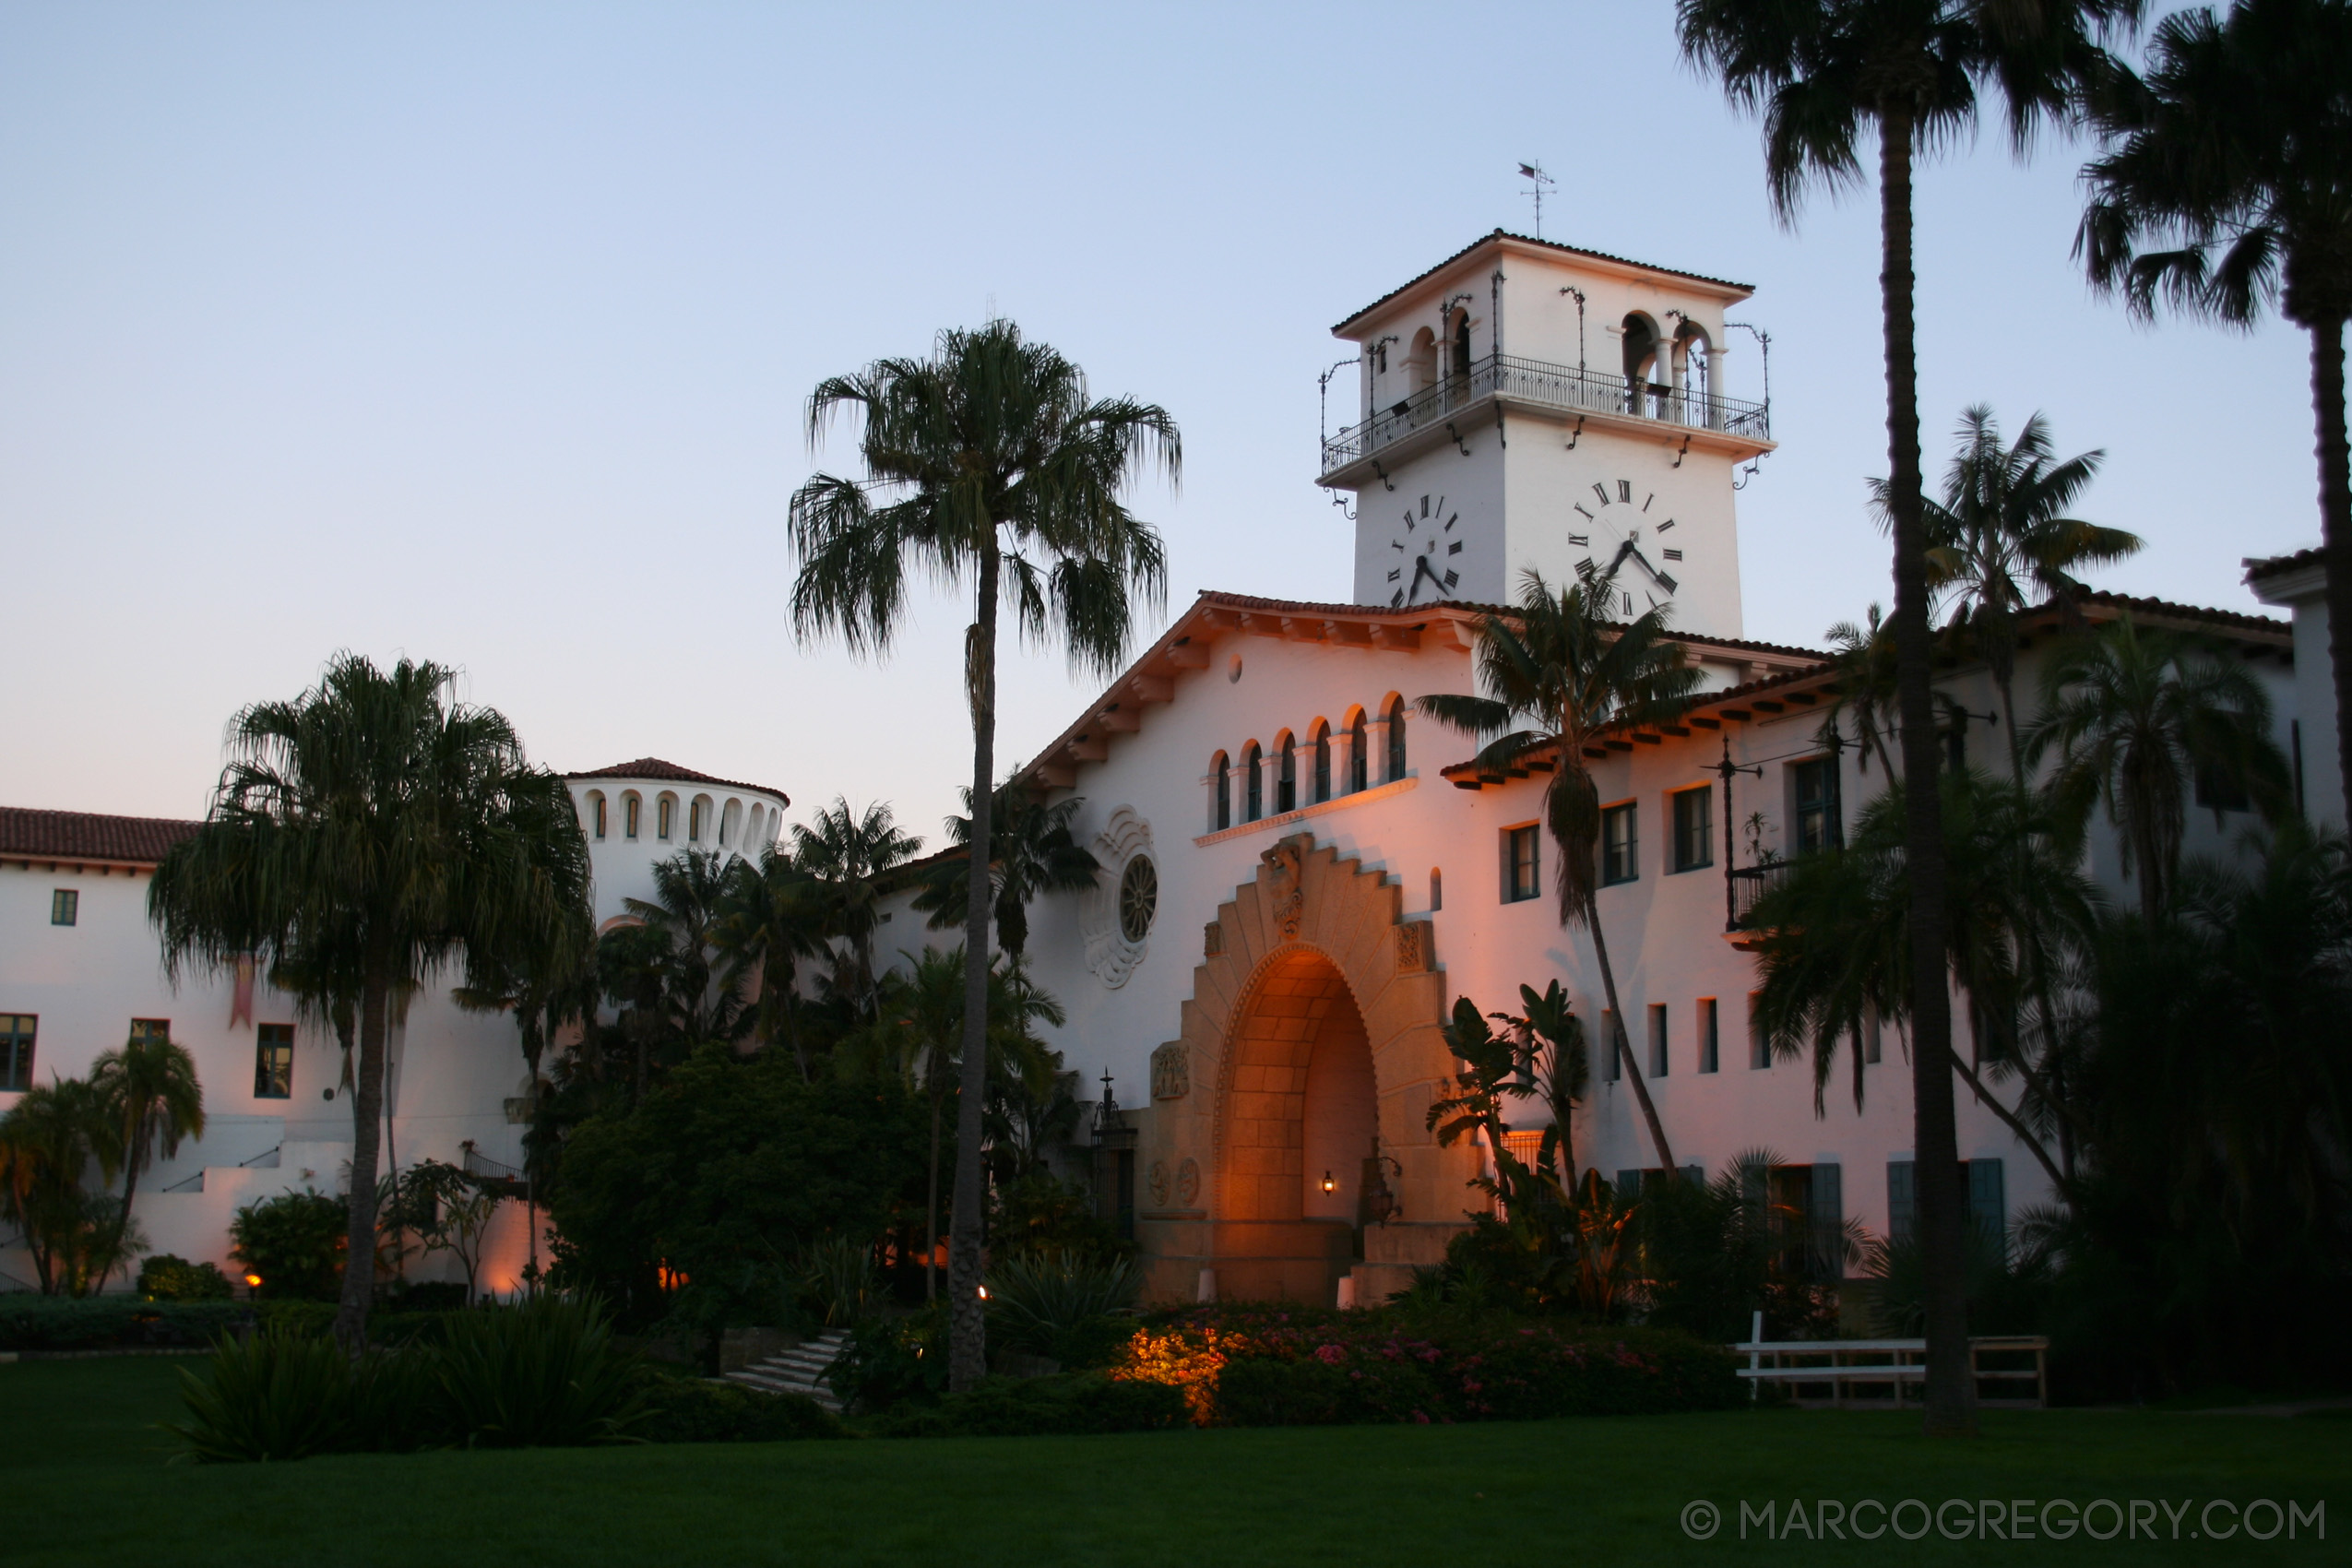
point(1744, 886)
point(1563, 388)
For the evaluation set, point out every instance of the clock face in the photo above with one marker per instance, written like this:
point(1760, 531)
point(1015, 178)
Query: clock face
point(1421, 564)
point(1623, 532)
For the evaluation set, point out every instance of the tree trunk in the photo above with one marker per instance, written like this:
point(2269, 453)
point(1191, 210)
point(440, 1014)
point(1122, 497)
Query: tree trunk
point(938, 1087)
point(1624, 1049)
point(2336, 531)
point(1949, 1392)
point(367, 1120)
point(130, 1190)
point(967, 1324)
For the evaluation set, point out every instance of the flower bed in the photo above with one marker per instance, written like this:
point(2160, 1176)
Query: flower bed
point(1275, 1365)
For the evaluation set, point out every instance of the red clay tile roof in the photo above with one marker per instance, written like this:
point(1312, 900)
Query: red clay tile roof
point(669, 772)
point(1549, 245)
point(86, 835)
point(2258, 566)
point(1472, 607)
point(2167, 610)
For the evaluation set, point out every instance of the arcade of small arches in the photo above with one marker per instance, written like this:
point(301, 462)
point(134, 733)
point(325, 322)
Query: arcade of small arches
point(1263, 782)
point(733, 823)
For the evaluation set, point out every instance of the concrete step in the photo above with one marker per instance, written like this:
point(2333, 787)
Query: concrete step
point(798, 1371)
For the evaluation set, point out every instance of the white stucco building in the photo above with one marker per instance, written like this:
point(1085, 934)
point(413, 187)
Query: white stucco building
point(1301, 875)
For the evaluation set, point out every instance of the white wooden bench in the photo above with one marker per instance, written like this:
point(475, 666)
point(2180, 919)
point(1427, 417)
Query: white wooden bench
point(1896, 1365)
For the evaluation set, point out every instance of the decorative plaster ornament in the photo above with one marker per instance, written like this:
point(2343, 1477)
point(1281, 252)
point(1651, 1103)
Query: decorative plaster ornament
point(1157, 1180)
point(1188, 1183)
point(1289, 895)
point(1111, 954)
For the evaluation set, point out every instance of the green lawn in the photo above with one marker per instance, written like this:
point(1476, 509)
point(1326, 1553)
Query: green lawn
point(87, 1483)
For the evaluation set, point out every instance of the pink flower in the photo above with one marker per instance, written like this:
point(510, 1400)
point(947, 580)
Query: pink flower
point(1423, 1420)
point(1330, 1355)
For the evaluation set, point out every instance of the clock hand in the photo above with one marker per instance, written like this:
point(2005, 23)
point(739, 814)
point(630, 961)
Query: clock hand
point(1421, 569)
point(1659, 578)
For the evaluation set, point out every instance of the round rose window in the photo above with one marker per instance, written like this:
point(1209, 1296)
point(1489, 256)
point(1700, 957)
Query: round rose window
point(1138, 898)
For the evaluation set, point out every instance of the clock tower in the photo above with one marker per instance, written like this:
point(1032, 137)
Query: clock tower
point(1528, 404)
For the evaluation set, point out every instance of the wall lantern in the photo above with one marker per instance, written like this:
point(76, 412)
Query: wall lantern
point(1328, 1184)
point(253, 1281)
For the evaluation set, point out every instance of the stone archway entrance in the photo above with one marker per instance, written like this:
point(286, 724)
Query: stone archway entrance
point(1313, 1030)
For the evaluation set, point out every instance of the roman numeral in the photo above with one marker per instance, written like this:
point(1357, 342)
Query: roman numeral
point(1424, 506)
point(1395, 573)
point(1453, 577)
point(1398, 601)
point(1647, 499)
point(1580, 539)
point(1665, 525)
point(1665, 582)
point(1601, 493)
point(1581, 512)
point(1454, 548)
point(1674, 555)
point(1624, 489)
point(1451, 521)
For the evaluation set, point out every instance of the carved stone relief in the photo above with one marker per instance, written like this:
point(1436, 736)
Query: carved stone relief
point(1172, 1071)
point(1188, 1183)
point(1290, 894)
point(1155, 1182)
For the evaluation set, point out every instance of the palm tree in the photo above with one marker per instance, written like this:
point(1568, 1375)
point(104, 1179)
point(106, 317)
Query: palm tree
point(986, 462)
point(852, 854)
point(1835, 943)
point(47, 1139)
point(777, 914)
point(378, 817)
point(1999, 541)
point(1822, 72)
point(1864, 658)
point(1033, 852)
point(147, 1090)
point(1559, 673)
point(2142, 720)
point(2226, 186)
point(691, 893)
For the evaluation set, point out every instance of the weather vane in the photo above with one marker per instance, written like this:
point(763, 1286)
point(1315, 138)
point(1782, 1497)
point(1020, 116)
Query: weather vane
point(1533, 173)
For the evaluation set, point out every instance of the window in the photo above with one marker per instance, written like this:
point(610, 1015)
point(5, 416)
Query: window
point(1620, 845)
point(693, 822)
point(595, 804)
point(1984, 1204)
point(64, 906)
point(1358, 762)
point(1815, 785)
point(1522, 875)
point(1872, 1046)
point(1613, 1058)
point(1286, 783)
point(273, 1062)
point(1694, 835)
point(1759, 1049)
point(1710, 1036)
point(1221, 811)
point(1253, 786)
point(662, 812)
point(1658, 1062)
point(150, 1032)
point(1461, 342)
point(2218, 790)
point(1323, 762)
point(16, 1051)
point(1138, 898)
point(629, 816)
point(1809, 1212)
point(1436, 890)
point(1395, 740)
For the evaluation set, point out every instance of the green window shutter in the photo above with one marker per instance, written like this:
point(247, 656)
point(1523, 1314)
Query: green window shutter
point(1902, 1201)
point(1629, 1185)
point(1988, 1202)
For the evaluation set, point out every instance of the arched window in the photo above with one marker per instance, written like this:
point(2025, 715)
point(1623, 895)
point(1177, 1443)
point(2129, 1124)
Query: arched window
point(730, 822)
point(1286, 786)
point(1253, 786)
point(1359, 762)
point(630, 805)
point(1461, 343)
point(695, 810)
point(1421, 360)
point(1323, 761)
point(1642, 368)
point(1396, 740)
point(595, 813)
point(1436, 890)
point(665, 812)
point(1221, 811)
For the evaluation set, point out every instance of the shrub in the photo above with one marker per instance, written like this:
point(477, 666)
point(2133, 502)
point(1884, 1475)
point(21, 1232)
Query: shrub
point(295, 1243)
point(165, 1278)
point(839, 1282)
point(278, 1396)
point(1274, 1365)
point(542, 1374)
point(51, 1323)
point(692, 1409)
point(1051, 1303)
point(308, 1320)
point(1069, 1403)
point(894, 1361)
point(421, 1296)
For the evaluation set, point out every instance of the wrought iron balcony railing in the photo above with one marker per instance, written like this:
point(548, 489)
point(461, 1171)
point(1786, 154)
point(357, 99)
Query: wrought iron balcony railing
point(1553, 386)
point(1744, 886)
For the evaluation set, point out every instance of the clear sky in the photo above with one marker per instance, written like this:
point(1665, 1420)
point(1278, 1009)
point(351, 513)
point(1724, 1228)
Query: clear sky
point(482, 333)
